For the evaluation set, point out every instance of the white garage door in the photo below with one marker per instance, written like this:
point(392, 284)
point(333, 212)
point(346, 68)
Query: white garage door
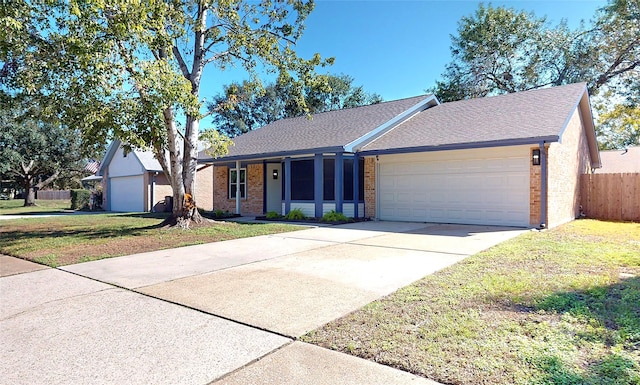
point(463, 186)
point(127, 193)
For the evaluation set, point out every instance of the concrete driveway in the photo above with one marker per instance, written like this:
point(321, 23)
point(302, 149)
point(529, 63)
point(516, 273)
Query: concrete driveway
point(195, 314)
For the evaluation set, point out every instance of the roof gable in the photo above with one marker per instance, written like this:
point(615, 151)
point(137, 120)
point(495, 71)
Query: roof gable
point(422, 124)
point(327, 131)
point(145, 159)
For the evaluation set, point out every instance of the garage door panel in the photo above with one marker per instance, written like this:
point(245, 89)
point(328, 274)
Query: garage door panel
point(420, 198)
point(403, 197)
point(127, 194)
point(466, 190)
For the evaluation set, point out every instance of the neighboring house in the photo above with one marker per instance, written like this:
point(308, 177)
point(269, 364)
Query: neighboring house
point(620, 161)
point(135, 182)
point(505, 160)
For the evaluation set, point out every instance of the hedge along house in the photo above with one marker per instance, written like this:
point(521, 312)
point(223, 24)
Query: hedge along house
point(135, 182)
point(505, 160)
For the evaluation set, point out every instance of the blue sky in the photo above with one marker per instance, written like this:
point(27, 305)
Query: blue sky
point(396, 48)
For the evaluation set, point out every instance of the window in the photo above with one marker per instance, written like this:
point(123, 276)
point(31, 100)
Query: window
point(302, 174)
point(348, 180)
point(329, 183)
point(233, 187)
point(302, 180)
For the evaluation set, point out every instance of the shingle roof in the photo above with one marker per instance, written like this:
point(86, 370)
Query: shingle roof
point(518, 118)
point(148, 160)
point(530, 114)
point(619, 161)
point(325, 130)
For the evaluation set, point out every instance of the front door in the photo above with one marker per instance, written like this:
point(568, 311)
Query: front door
point(274, 187)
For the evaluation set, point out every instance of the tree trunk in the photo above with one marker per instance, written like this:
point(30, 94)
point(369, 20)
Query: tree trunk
point(183, 152)
point(30, 197)
point(184, 210)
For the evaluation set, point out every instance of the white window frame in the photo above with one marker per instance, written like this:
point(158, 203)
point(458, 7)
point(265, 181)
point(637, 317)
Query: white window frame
point(232, 182)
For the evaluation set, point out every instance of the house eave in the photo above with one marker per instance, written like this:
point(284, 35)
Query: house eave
point(111, 151)
point(463, 146)
point(270, 155)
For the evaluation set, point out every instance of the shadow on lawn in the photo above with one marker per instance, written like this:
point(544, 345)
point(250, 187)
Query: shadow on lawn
point(617, 308)
point(11, 238)
point(41, 212)
point(146, 215)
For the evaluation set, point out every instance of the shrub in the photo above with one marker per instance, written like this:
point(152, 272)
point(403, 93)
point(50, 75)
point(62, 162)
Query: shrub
point(80, 199)
point(295, 214)
point(334, 216)
point(219, 213)
point(273, 215)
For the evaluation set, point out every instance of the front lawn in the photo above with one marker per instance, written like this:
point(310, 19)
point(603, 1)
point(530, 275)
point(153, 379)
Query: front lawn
point(69, 239)
point(554, 307)
point(15, 206)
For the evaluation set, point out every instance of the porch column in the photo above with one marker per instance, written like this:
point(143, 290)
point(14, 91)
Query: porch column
point(543, 186)
point(356, 185)
point(238, 194)
point(287, 185)
point(318, 181)
point(339, 179)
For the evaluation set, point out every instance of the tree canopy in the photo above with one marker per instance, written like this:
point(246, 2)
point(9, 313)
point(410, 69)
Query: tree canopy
point(132, 69)
point(245, 106)
point(34, 153)
point(501, 50)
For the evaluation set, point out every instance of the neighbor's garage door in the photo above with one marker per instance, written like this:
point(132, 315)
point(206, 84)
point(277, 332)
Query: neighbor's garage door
point(463, 186)
point(127, 193)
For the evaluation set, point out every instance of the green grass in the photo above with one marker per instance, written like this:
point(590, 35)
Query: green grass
point(15, 206)
point(554, 307)
point(64, 240)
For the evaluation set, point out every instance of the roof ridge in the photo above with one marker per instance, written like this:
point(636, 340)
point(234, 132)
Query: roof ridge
point(508, 94)
point(356, 107)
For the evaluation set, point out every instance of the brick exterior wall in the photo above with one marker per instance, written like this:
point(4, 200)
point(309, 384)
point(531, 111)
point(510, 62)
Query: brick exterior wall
point(163, 189)
point(566, 162)
point(370, 187)
point(204, 188)
point(535, 190)
point(253, 205)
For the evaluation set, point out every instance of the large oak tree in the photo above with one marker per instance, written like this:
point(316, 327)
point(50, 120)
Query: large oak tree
point(34, 153)
point(132, 69)
point(501, 50)
point(246, 106)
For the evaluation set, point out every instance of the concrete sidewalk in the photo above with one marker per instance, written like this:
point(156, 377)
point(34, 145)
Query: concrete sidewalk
point(226, 312)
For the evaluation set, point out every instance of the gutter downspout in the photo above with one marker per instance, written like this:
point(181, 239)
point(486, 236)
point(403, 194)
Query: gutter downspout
point(543, 186)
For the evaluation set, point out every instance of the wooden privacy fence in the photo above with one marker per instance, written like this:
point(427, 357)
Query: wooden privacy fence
point(54, 194)
point(611, 196)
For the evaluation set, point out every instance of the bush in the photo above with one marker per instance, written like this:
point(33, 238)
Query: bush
point(334, 216)
point(80, 199)
point(295, 214)
point(273, 215)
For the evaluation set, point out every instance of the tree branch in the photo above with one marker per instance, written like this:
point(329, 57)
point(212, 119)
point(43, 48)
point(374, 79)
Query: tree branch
point(181, 62)
point(48, 180)
point(611, 72)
